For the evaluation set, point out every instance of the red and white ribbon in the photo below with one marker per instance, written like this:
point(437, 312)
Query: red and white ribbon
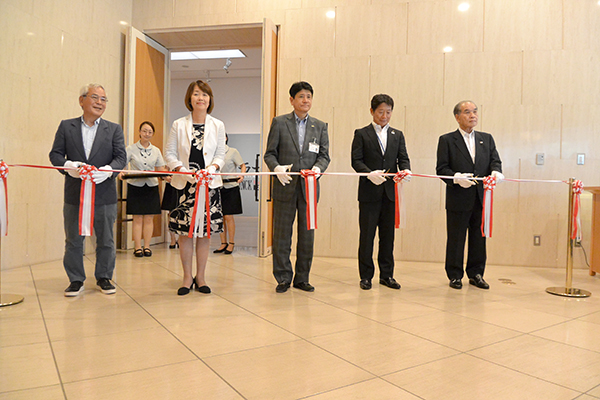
point(487, 212)
point(310, 182)
point(87, 198)
point(3, 199)
point(576, 221)
point(399, 207)
point(201, 203)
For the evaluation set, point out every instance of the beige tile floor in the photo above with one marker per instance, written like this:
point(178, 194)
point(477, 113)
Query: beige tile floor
point(244, 341)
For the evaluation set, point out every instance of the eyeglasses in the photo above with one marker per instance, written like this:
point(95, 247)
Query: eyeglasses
point(97, 99)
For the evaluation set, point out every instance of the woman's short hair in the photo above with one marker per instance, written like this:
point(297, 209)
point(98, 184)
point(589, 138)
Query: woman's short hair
point(205, 88)
point(149, 124)
point(380, 99)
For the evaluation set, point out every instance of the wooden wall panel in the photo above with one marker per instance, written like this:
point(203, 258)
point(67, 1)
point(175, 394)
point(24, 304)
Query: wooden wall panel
point(339, 82)
point(307, 33)
point(515, 25)
point(395, 76)
point(483, 78)
point(561, 77)
point(433, 25)
point(371, 30)
point(531, 66)
point(581, 24)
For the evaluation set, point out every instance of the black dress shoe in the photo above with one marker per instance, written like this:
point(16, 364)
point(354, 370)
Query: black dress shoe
point(182, 291)
point(307, 287)
point(365, 284)
point(390, 282)
point(455, 284)
point(282, 287)
point(478, 281)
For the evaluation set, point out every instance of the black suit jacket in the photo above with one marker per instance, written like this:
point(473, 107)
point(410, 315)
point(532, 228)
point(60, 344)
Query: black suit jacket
point(108, 149)
point(453, 156)
point(283, 149)
point(367, 157)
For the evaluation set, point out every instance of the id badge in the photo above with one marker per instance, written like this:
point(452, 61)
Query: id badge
point(313, 147)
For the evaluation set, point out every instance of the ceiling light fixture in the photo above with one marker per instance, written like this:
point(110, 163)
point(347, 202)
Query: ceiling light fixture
point(330, 14)
point(227, 65)
point(447, 49)
point(463, 7)
point(206, 55)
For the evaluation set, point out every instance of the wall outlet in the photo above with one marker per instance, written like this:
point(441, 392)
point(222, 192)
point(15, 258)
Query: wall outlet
point(539, 159)
point(580, 158)
point(537, 240)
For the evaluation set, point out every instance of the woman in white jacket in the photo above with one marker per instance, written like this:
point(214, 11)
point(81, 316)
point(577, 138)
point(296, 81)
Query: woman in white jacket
point(195, 142)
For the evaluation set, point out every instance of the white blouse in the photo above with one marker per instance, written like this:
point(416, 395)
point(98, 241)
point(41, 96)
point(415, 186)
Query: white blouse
point(144, 159)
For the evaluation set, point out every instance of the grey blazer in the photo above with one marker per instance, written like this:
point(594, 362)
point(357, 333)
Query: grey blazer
point(108, 149)
point(283, 149)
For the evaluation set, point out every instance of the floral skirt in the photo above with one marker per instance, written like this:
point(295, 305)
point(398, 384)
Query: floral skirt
point(180, 217)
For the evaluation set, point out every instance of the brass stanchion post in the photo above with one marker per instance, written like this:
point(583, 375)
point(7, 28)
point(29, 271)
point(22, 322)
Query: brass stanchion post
point(7, 299)
point(568, 290)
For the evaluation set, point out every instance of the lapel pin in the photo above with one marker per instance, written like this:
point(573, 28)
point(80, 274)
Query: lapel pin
point(480, 142)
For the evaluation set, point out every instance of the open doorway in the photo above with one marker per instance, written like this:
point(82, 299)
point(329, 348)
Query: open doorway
point(244, 101)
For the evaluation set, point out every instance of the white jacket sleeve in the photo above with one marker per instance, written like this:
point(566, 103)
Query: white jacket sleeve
point(171, 152)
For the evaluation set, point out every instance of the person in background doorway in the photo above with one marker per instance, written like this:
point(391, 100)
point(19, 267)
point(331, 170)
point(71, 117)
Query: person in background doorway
point(231, 198)
point(143, 197)
point(196, 142)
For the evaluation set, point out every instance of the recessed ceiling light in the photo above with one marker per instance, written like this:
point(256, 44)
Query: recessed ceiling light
point(463, 7)
point(206, 55)
point(124, 23)
point(447, 49)
point(330, 14)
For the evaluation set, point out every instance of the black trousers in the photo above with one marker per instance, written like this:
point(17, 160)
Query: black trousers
point(458, 223)
point(375, 215)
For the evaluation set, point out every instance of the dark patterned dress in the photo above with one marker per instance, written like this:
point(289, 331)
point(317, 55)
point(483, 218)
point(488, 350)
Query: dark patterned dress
point(181, 216)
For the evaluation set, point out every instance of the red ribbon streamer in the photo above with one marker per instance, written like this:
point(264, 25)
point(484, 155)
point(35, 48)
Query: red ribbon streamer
point(576, 219)
point(87, 200)
point(310, 183)
point(203, 178)
point(398, 203)
point(487, 211)
point(4, 199)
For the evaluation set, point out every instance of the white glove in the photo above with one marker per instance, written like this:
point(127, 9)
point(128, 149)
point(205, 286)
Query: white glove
point(316, 170)
point(73, 164)
point(498, 175)
point(459, 178)
point(211, 169)
point(376, 177)
point(281, 174)
point(100, 176)
point(190, 178)
point(408, 175)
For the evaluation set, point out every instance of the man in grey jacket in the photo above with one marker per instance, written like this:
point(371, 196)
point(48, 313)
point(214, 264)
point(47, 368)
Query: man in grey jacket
point(90, 140)
point(296, 142)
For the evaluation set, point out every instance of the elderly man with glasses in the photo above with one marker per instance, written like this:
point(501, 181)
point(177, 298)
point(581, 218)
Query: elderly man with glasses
point(91, 140)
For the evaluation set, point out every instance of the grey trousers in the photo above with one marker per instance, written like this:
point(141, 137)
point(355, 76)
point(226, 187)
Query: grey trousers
point(284, 213)
point(104, 221)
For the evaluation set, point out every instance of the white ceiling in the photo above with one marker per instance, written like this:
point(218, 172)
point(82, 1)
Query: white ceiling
point(247, 38)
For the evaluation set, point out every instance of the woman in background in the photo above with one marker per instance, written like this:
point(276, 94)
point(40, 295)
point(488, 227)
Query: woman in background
point(230, 197)
point(143, 198)
point(196, 142)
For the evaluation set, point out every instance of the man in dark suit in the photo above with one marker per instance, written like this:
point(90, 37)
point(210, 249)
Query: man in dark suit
point(90, 140)
point(378, 148)
point(296, 141)
point(463, 154)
